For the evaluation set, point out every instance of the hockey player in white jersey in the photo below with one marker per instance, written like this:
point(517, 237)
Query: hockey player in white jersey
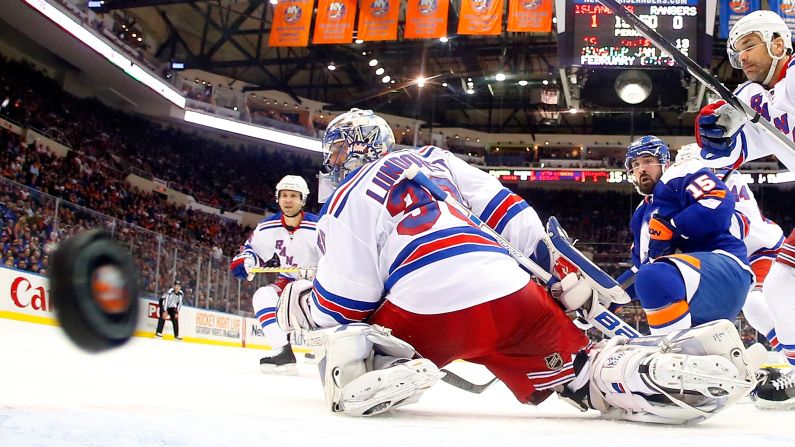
point(429, 283)
point(761, 45)
point(290, 235)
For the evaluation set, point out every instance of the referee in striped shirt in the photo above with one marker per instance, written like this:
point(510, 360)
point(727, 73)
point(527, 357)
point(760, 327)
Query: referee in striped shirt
point(170, 303)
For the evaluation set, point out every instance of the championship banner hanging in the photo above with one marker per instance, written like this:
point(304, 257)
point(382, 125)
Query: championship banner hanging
point(530, 16)
point(481, 17)
point(426, 19)
point(786, 9)
point(378, 20)
point(291, 22)
point(334, 22)
point(733, 10)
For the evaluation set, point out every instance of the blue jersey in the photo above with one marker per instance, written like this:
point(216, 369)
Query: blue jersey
point(698, 204)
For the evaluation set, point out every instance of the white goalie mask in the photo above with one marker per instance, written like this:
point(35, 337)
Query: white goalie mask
point(352, 139)
point(768, 25)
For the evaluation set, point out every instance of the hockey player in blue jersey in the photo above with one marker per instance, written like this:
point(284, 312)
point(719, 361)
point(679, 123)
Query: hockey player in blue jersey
point(689, 268)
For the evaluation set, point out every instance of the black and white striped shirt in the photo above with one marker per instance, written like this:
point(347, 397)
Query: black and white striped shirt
point(172, 298)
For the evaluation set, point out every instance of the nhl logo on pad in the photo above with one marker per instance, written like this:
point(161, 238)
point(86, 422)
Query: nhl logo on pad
point(554, 361)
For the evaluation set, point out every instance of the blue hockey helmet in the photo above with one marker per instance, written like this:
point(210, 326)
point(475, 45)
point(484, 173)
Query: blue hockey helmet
point(648, 145)
point(351, 140)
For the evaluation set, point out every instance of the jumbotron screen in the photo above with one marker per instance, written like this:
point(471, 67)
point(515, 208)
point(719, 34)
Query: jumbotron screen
point(602, 39)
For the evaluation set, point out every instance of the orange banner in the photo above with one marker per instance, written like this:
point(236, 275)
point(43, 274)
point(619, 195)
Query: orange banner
point(378, 20)
point(481, 17)
point(291, 22)
point(426, 19)
point(334, 22)
point(530, 16)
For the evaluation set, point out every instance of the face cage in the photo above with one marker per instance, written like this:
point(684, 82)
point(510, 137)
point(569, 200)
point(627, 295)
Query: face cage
point(734, 55)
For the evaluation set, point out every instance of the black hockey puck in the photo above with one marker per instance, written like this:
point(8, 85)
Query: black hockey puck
point(94, 289)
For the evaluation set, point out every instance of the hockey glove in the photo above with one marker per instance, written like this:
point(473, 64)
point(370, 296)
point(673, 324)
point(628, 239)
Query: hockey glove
point(243, 263)
point(662, 235)
point(293, 312)
point(717, 126)
point(573, 291)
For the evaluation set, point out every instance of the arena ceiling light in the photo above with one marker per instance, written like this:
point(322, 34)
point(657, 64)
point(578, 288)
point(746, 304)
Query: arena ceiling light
point(253, 131)
point(386, 79)
point(274, 2)
point(633, 86)
point(357, 41)
point(421, 82)
point(443, 39)
point(114, 57)
point(500, 77)
point(522, 83)
point(379, 71)
point(332, 67)
point(373, 62)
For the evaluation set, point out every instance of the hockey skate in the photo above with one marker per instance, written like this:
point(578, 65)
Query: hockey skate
point(778, 393)
point(282, 363)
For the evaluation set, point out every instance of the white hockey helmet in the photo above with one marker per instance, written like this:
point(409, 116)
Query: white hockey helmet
point(768, 25)
point(293, 183)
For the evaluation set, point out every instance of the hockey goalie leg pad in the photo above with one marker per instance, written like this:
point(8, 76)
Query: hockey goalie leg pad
point(565, 259)
point(684, 377)
point(367, 371)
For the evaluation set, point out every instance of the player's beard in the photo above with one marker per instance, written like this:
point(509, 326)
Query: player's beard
point(647, 186)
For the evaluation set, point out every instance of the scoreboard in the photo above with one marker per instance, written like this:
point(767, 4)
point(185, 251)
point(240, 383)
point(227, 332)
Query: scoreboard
point(596, 37)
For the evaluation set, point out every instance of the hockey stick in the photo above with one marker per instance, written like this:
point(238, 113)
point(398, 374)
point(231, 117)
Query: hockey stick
point(787, 148)
point(601, 318)
point(461, 383)
point(279, 269)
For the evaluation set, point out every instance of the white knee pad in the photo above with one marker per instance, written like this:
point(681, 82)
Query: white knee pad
point(778, 292)
point(264, 297)
point(685, 376)
point(367, 371)
point(757, 312)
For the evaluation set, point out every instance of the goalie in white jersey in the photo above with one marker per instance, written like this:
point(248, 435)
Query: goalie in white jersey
point(430, 283)
point(290, 235)
point(761, 45)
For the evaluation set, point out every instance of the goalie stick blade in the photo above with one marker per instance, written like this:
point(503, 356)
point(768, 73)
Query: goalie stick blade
point(702, 75)
point(461, 383)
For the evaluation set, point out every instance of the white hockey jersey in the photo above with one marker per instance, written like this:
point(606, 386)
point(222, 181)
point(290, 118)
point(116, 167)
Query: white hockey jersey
point(296, 248)
point(383, 237)
point(774, 105)
point(762, 237)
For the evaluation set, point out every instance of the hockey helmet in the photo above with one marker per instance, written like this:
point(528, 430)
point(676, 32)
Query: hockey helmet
point(293, 183)
point(768, 25)
point(648, 145)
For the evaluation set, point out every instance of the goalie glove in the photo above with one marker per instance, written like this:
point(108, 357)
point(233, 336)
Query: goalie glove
point(573, 291)
point(293, 313)
point(717, 126)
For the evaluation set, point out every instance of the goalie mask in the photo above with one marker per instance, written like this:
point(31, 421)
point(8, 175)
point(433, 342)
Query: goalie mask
point(648, 145)
point(352, 140)
point(768, 26)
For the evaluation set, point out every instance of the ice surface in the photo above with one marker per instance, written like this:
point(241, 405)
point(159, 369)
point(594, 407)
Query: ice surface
point(168, 393)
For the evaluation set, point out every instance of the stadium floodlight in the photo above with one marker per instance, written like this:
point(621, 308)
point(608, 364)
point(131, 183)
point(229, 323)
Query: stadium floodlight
point(253, 131)
point(633, 86)
point(114, 57)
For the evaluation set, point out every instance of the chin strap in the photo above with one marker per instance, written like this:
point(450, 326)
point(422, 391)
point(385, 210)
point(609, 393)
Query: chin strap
point(773, 65)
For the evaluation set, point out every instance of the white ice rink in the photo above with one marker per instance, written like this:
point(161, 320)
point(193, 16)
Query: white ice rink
point(168, 393)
